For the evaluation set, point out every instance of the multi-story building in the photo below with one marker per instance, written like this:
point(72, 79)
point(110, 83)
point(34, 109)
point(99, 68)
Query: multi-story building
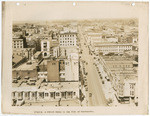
point(17, 43)
point(112, 48)
point(62, 69)
point(31, 31)
point(126, 91)
point(56, 51)
point(72, 68)
point(45, 47)
point(42, 91)
point(122, 73)
point(53, 70)
point(27, 69)
point(24, 52)
point(67, 39)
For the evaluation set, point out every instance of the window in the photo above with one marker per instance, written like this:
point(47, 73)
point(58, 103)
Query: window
point(41, 94)
point(57, 94)
point(132, 93)
point(46, 94)
point(63, 94)
point(45, 54)
point(33, 94)
point(74, 93)
point(26, 94)
point(52, 94)
point(19, 94)
point(69, 93)
point(53, 63)
point(13, 94)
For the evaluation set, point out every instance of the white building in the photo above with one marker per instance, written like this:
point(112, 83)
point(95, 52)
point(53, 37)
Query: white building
point(67, 39)
point(112, 48)
point(66, 51)
point(127, 90)
point(112, 40)
point(42, 75)
point(17, 43)
point(56, 51)
point(46, 92)
point(45, 47)
point(135, 40)
point(72, 68)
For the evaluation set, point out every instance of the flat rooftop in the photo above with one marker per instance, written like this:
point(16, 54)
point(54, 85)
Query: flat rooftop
point(117, 58)
point(110, 44)
point(39, 85)
point(59, 85)
point(26, 66)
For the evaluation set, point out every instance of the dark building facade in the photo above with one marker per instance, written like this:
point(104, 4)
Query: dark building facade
point(53, 71)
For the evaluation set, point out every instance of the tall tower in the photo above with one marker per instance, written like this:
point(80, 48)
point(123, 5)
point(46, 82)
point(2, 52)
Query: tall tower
point(45, 47)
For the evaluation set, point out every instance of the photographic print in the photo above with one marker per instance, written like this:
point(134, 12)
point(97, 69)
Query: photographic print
point(76, 62)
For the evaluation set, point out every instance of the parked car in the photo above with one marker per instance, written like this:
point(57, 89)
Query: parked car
point(86, 73)
point(15, 81)
point(18, 78)
point(103, 82)
point(26, 77)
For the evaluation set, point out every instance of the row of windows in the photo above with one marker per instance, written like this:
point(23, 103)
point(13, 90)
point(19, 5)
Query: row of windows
point(63, 74)
point(66, 38)
point(113, 48)
point(66, 41)
point(53, 63)
point(19, 54)
point(132, 86)
point(42, 74)
point(131, 93)
point(18, 41)
point(42, 94)
point(67, 35)
point(116, 47)
point(18, 44)
point(66, 44)
point(18, 47)
point(115, 66)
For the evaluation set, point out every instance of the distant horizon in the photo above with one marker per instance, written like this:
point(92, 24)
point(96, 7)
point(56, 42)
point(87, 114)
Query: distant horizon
point(76, 20)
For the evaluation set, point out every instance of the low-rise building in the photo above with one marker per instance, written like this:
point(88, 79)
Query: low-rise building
point(45, 92)
point(17, 60)
point(26, 69)
point(122, 73)
point(37, 56)
point(24, 52)
point(112, 48)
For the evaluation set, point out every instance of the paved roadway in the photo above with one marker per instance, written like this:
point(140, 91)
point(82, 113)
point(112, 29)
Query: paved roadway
point(93, 79)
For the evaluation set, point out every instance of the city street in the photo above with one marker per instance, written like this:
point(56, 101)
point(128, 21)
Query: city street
point(94, 82)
